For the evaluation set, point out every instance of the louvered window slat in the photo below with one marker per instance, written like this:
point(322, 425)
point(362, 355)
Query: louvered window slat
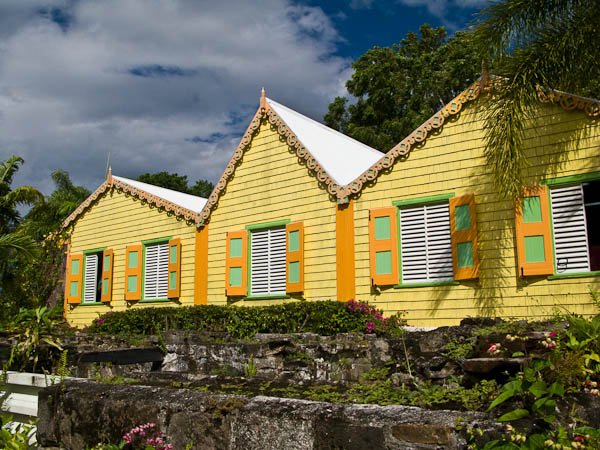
point(267, 261)
point(569, 230)
point(426, 248)
point(91, 278)
point(156, 278)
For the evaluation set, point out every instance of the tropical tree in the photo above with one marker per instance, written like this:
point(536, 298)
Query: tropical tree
point(532, 45)
point(45, 218)
point(399, 88)
point(11, 198)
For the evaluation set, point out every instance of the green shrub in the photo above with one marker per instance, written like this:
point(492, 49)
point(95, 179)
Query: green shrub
point(324, 318)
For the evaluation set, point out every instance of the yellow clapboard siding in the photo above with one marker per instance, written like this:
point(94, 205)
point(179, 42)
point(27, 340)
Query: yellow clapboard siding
point(115, 221)
point(453, 161)
point(270, 184)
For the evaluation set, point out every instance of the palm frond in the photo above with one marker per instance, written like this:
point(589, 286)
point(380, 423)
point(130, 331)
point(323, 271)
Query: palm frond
point(18, 242)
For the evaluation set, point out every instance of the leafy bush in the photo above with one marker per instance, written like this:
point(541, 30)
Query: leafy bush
point(324, 318)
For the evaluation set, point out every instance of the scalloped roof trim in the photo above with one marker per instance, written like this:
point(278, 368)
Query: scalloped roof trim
point(144, 192)
point(567, 101)
point(265, 111)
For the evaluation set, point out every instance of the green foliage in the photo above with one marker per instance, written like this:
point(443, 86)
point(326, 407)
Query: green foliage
point(30, 282)
point(176, 182)
point(32, 327)
point(375, 390)
point(529, 44)
point(250, 367)
point(457, 350)
point(399, 88)
point(46, 218)
point(18, 438)
point(325, 318)
point(10, 198)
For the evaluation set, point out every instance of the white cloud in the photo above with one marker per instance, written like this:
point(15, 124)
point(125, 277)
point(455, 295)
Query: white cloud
point(161, 84)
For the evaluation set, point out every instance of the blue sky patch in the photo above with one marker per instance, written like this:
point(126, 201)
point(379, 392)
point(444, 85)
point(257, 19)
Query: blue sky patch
point(63, 18)
point(157, 70)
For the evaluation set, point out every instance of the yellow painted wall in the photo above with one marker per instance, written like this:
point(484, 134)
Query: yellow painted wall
point(270, 184)
point(452, 161)
point(115, 221)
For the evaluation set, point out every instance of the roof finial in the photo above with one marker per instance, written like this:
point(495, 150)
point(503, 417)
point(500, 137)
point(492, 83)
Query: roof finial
point(263, 99)
point(109, 179)
point(484, 75)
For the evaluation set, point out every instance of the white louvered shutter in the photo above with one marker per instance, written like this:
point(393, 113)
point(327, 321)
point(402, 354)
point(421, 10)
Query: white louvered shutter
point(156, 278)
point(569, 230)
point(91, 278)
point(267, 261)
point(426, 247)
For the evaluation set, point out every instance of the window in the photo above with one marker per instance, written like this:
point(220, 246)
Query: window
point(275, 255)
point(437, 241)
point(425, 244)
point(575, 221)
point(156, 271)
point(268, 261)
point(92, 280)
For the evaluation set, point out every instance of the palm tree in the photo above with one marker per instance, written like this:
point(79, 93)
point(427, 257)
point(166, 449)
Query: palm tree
point(47, 217)
point(9, 199)
point(532, 45)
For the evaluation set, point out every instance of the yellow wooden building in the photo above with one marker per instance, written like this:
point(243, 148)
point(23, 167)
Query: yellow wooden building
point(131, 245)
point(304, 212)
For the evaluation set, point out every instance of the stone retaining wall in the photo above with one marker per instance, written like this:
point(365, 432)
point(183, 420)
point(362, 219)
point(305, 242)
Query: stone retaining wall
point(77, 413)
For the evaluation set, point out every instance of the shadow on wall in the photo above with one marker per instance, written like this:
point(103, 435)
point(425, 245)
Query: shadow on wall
point(551, 141)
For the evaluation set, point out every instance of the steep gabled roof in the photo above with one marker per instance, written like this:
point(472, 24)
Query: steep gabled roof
point(341, 156)
point(566, 101)
point(334, 158)
point(179, 204)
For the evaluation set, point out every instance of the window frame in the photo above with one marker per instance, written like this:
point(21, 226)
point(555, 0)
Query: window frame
point(422, 201)
point(146, 243)
point(259, 227)
point(85, 253)
point(571, 180)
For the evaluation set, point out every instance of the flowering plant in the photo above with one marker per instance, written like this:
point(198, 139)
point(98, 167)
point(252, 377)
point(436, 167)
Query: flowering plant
point(142, 437)
point(374, 320)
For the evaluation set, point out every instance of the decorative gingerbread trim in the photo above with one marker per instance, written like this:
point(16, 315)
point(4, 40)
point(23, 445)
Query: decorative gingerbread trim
point(341, 193)
point(121, 186)
point(88, 201)
point(570, 102)
point(266, 112)
point(566, 101)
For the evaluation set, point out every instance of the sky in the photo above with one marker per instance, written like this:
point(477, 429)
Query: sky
point(171, 85)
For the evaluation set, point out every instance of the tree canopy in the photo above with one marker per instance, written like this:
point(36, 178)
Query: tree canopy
point(176, 182)
point(400, 87)
point(532, 45)
point(47, 217)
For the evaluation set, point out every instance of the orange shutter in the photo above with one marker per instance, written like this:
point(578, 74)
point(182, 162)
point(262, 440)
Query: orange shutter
point(383, 246)
point(532, 225)
point(201, 267)
point(133, 272)
point(107, 272)
point(236, 266)
point(174, 268)
point(463, 229)
point(73, 278)
point(294, 257)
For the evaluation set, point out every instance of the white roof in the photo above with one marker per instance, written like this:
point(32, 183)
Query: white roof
point(187, 201)
point(342, 157)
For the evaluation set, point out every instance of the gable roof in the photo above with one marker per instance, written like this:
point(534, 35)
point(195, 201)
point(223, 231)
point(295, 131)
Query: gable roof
point(179, 204)
point(343, 157)
point(401, 150)
point(188, 201)
point(334, 158)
